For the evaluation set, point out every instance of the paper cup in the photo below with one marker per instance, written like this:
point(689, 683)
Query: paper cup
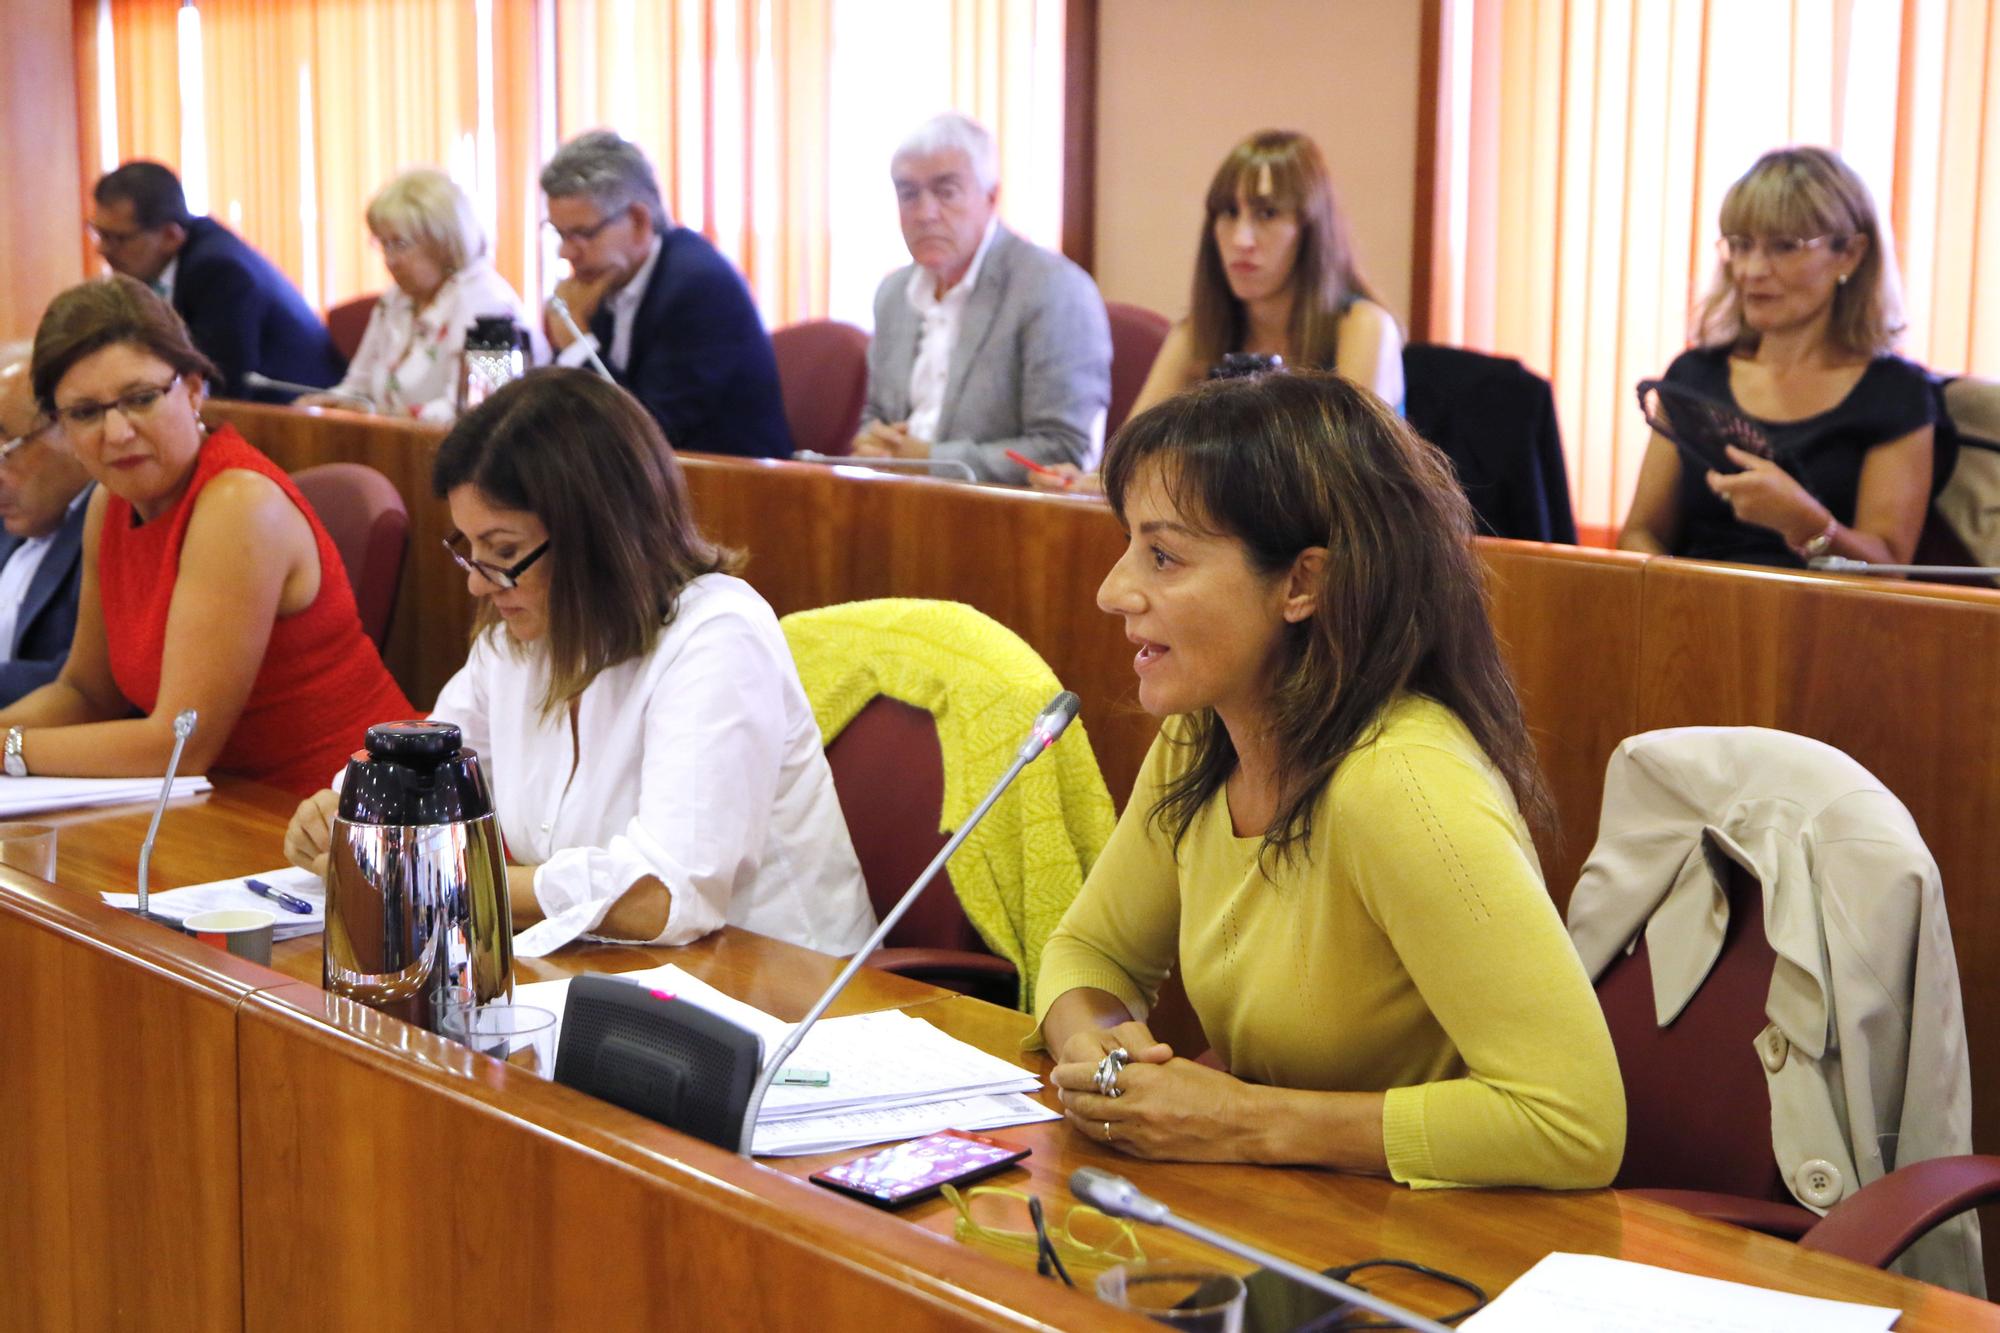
point(243, 931)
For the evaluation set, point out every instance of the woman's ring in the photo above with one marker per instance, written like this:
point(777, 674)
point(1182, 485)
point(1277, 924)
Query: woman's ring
point(1107, 1131)
point(1106, 1079)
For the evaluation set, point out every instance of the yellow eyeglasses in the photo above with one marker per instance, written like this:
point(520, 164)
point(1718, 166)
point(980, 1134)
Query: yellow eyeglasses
point(1087, 1238)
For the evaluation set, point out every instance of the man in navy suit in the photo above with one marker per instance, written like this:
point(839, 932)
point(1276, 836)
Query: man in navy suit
point(664, 310)
point(43, 494)
point(240, 310)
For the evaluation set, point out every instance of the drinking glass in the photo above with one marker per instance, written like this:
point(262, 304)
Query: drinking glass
point(29, 848)
point(520, 1034)
point(1184, 1296)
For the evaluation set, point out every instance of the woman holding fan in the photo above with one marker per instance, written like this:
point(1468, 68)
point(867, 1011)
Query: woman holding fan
point(1795, 336)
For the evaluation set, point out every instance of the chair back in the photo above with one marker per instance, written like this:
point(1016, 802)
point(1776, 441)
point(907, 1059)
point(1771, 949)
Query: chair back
point(1496, 421)
point(888, 771)
point(1698, 1114)
point(1136, 335)
point(346, 323)
point(823, 377)
point(1969, 503)
point(370, 527)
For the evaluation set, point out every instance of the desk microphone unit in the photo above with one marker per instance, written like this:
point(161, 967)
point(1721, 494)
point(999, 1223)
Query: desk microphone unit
point(183, 728)
point(955, 468)
point(560, 309)
point(694, 1071)
point(1116, 1196)
point(1840, 564)
point(254, 380)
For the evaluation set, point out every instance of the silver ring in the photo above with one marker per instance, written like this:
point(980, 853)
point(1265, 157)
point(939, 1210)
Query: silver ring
point(1107, 1131)
point(1106, 1078)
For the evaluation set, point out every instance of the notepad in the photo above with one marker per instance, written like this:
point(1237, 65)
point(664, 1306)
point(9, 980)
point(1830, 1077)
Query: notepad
point(891, 1076)
point(1586, 1293)
point(29, 796)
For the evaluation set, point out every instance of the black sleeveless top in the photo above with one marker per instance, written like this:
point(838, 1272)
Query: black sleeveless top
point(1824, 452)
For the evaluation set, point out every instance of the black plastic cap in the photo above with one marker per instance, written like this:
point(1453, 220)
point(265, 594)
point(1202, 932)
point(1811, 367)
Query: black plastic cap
point(411, 774)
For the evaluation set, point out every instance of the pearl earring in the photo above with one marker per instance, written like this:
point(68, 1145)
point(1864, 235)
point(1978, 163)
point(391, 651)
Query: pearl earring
point(1843, 279)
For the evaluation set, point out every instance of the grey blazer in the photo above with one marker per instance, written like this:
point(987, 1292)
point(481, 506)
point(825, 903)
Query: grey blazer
point(1031, 370)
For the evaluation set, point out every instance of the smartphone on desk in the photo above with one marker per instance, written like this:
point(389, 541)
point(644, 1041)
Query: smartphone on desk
point(892, 1177)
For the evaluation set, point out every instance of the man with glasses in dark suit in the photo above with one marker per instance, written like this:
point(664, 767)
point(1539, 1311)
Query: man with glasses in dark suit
point(43, 494)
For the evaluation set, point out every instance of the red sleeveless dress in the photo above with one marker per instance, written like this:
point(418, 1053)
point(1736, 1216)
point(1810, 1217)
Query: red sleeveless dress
point(322, 684)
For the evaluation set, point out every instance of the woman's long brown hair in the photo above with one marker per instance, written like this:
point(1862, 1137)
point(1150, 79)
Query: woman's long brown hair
point(1286, 462)
point(585, 458)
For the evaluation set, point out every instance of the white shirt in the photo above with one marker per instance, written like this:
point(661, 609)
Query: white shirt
point(940, 317)
point(699, 764)
point(164, 284)
point(407, 364)
point(19, 572)
point(624, 307)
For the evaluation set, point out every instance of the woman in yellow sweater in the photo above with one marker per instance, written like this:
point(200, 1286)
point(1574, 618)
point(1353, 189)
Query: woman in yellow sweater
point(1327, 836)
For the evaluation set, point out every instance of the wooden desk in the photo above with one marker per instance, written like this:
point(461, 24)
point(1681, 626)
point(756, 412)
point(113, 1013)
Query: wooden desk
point(369, 1152)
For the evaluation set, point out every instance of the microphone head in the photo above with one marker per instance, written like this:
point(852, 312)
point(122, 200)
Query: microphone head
point(184, 723)
point(1050, 723)
point(1114, 1196)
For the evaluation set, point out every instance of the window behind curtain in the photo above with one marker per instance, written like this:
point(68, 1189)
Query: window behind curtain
point(1589, 143)
point(770, 122)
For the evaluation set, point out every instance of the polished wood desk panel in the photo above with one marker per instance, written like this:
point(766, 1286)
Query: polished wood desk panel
point(369, 1150)
point(118, 1146)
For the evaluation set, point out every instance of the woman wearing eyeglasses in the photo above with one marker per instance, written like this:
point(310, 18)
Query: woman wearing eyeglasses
point(208, 582)
point(1796, 334)
point(432, 245)
point(655, 764)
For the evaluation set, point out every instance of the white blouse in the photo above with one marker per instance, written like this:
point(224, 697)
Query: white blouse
point(699, 764)
point(407, 364)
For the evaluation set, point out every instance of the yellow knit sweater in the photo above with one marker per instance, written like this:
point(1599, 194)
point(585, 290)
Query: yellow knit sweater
point(1021, 867)
point(1414, 951)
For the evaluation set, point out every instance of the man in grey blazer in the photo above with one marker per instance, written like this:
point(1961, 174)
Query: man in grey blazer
point(987, 344)
point(44, 492)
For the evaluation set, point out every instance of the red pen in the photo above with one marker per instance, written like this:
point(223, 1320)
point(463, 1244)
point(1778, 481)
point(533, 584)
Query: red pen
point(1033, 466)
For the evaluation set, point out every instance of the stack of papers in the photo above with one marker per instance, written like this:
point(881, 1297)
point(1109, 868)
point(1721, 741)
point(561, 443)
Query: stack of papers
point(1575, 1293)
point(890, 1076)
point(179, 904)
point(28, 796)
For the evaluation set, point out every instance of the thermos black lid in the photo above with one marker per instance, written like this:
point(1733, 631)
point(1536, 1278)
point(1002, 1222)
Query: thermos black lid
point(414, 773)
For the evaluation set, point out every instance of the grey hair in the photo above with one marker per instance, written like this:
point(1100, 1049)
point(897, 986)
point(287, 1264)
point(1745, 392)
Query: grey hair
point(954, 132)
point(608, 169)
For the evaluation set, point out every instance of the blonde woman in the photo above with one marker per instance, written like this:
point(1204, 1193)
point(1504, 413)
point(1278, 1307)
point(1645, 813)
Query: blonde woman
point(433, 247)
point(1796, 334)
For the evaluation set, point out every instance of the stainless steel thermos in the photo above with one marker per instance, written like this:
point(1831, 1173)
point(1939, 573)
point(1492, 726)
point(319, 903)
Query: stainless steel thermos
point(416, 882)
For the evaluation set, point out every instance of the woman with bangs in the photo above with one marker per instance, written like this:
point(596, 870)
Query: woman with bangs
point(1796, 334)
point(656, 768)
point(1328, 835)
point(1275, 276)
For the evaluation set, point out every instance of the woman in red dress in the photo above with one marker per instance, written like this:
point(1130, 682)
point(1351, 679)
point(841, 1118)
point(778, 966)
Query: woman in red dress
point(208, 581)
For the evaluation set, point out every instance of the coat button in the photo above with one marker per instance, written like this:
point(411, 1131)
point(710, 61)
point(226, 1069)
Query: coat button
point(1819, 1183)
point(1772, 1048)
point(545, 828)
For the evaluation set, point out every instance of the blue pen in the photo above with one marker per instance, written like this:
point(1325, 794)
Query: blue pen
point(279, 896)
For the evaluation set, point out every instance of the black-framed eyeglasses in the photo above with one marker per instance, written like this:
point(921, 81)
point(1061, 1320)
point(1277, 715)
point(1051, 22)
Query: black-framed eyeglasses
point(111, 236)
point(82, 418)
point(578, 235)
point(500, 576)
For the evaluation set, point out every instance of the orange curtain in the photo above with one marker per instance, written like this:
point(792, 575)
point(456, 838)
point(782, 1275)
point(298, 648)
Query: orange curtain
point(1588, 144)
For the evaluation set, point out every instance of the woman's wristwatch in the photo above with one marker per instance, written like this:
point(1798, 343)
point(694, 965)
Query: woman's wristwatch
point(16, 762)
point(1815, 547)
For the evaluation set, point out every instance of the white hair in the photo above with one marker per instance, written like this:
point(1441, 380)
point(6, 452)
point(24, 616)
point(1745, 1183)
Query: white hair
point(954, 132)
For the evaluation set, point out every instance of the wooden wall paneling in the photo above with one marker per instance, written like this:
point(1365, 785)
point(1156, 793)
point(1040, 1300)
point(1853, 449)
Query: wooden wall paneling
point(118, 1120)
point(513, 1202)
point(1568, 622)
point(1903, 678)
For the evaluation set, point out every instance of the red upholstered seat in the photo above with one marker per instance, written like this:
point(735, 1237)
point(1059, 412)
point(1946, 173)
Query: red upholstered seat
point(888, 771)
point(370, 527)
point(1136, 335)
point(346, 323)
point(823, 375)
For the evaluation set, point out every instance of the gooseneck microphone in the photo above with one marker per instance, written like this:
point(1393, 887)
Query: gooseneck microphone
point(560, 309)
point(183, 728)
point(1840, 564)
point(254, 380)
point(1048, 725)
point(1119, 1197)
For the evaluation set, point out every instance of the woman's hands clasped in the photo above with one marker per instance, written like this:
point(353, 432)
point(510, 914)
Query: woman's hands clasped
point(311, 831)
point(1167, 1108)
